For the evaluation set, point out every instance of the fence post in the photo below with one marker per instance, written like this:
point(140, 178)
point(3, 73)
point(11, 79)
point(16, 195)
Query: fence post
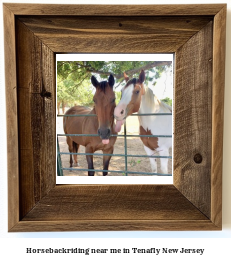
point(59, 162)
point(125, 149)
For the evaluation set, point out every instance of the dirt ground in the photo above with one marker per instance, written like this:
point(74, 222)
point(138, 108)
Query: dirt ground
point(117, 163)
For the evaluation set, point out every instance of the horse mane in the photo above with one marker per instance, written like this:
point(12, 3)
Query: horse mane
point(132, 81)
point(151, 99)
point(102, 86)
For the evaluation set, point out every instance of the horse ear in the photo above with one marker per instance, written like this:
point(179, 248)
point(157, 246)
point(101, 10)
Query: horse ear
point(141, 76)
point(126, 77)
point(111, 80)
point(94, 81)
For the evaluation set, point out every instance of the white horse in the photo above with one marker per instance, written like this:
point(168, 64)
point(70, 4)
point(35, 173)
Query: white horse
point(138, 98)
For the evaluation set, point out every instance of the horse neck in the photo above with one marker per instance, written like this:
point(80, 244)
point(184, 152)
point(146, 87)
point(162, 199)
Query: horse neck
point(151, 104)
point(157, 124)
point(93, 111)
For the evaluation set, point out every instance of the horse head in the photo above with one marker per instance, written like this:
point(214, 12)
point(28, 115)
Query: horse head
point(104, 105)
point(130, 99)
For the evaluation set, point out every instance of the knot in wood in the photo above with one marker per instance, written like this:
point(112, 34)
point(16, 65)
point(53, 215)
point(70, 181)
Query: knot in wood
point(198, 158)
point(45, 94)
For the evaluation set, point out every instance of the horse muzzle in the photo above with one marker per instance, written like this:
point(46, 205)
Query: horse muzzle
point(120, 118)
point(120, 112)
point(104, 135)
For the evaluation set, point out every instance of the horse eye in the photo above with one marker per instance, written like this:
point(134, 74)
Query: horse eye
point(94, 100)
point(137, 92)
point(113, 100)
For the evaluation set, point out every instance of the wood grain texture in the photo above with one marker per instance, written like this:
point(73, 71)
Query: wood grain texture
point(114, 34)
point(218, 115)
point(114, 207)
point(194, 201)
point(114, 225)
point(12, 121)
point(36, 106)
point(115, 10)
point(114, 202)
point(193, 113)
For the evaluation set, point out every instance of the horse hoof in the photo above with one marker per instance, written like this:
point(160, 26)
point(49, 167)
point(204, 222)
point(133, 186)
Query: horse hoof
point(76, 164)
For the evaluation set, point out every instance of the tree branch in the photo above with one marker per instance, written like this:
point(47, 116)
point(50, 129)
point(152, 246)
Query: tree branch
point(145, 67)
point(130, 72)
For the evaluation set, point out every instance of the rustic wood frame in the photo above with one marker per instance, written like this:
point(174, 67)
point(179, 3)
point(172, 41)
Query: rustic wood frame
point(33, 34)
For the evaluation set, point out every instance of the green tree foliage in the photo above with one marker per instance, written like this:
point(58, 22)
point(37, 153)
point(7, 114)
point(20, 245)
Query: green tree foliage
point(73, 77)
point(167, 100)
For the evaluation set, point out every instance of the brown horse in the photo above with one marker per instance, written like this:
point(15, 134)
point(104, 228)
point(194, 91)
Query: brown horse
point(103, 125)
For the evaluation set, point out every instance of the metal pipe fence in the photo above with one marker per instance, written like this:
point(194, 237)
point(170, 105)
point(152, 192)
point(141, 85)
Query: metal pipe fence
point(125, 172)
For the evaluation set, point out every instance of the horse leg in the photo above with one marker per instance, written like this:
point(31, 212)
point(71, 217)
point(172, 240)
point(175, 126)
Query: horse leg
point(106, 160)
point(90, 161)
point(152, 160)
point(75, 150)
point(70, 148)
point(164, 161)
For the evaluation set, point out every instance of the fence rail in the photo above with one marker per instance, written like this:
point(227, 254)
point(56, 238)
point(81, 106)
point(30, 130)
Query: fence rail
point(116, 155)
point(125, 155)
point(123, 172)
point(137, 114)
point(116, 135)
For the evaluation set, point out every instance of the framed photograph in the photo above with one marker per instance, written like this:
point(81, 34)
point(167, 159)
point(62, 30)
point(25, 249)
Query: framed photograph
point(34, 36)
point(149, 102)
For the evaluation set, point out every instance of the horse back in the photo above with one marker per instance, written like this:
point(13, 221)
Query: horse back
point(74, 124)
point(78, 110)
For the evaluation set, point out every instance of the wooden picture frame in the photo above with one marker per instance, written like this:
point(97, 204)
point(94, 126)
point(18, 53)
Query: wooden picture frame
point(34, 33)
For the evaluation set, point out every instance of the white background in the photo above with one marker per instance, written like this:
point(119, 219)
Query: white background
point(216, 244)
